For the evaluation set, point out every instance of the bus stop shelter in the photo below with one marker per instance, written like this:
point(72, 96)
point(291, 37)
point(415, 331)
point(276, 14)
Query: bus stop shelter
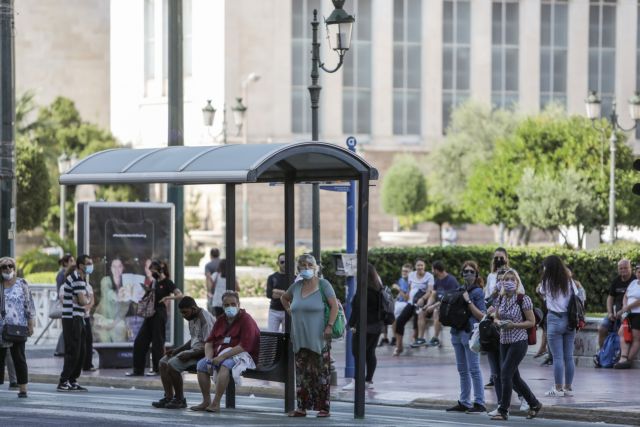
point(244, 164)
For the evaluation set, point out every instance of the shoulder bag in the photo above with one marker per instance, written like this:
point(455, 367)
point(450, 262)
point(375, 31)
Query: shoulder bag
point(147, 304)
point(339, 325)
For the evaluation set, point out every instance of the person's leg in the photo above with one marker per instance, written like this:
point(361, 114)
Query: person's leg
point(371, 360)
point(20, 362)
point(176, 382)
point(88, 339)
point(141, 346)
point(603, 330)
point(158, 335)
point(555, 330)
point(222, 381)
point(568, 344)
point(204, 382)
point(79, 336)
point(422, 323)
point(3, 355)
point(494, 365)
point(272, 323)
point(510, 357)
point(473, 365)
point(437, 327)
point(11, 369)
point(401, 321)
point(281, 317)
point(69, 350)
point(60, 346)
point(463, 370)
point(543, 344)
point(167, 385)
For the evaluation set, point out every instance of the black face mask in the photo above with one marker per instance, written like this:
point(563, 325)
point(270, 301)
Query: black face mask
point(499, 262)
point(193, 316)
point(155, 275)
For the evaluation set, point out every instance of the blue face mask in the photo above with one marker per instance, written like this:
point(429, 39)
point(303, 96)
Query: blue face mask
point(307, 274)
point(89, 269)
point(231, 311)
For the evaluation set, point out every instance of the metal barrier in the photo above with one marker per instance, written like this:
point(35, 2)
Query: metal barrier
point(46, 330)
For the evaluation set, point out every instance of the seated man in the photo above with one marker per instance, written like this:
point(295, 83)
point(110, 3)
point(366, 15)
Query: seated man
point(231, 349)
point(185, 357)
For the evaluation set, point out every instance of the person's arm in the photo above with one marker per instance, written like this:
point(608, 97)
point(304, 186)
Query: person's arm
point(628, 307)
point(270, 288)
point(80, 292)
point(333, 313)
point(208, 350)
point(610, 314)
point(285, 299)
point(530, 320)
point(227, 354)
point(476, 305)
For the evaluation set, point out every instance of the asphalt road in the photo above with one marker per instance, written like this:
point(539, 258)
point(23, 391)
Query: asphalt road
point(126, 407)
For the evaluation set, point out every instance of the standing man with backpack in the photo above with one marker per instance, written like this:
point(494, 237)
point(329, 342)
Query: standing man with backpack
point(468, 362)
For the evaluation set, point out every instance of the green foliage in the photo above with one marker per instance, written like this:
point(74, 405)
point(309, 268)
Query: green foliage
point(549, 204)
point(32, 185)
point(404, 191)
point(192, 257)
point(35, 261)
point(594, 269)
point(249, 287)
point(258, 257)
point(44, 277)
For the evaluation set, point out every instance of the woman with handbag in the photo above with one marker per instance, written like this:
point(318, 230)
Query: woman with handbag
point(17, 321)
point(152, 307)
point(311, 333)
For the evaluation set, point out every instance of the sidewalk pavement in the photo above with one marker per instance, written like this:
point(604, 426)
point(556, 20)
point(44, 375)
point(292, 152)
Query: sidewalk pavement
point(425, 377)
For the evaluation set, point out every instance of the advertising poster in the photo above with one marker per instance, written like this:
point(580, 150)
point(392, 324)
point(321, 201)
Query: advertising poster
point(122, 239)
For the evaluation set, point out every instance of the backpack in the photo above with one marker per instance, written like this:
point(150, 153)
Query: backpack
point(575, 311)
point(386, 306)
point(609, 354)
point(489, 335)
point(454, 311)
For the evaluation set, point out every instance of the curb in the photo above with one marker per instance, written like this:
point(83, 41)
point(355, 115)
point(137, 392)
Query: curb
point(551, 412)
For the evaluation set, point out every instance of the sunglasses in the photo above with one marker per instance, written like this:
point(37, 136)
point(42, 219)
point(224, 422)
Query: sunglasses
point(7, 267)
point(468, 272)
point(280, 262)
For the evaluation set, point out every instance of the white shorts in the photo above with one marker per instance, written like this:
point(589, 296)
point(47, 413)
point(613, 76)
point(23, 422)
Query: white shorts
point(398, 306)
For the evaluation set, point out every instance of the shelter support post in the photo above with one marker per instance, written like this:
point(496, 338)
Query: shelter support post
point(363, 249)
point(230, 249)
point(289, 252)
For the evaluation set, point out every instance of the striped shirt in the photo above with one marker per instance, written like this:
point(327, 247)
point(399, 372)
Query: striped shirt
point(72, 286)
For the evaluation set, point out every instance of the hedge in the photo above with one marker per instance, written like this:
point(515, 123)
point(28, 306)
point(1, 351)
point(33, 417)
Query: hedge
point(594, 268)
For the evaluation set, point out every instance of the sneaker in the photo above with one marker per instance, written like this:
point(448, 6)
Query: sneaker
point(65, 386)
point(622, 365)
point(77, 387)
point(393, 342)
point(13, 386)
point(350, 386)
point(547, 362)
point(489, 385)
point(459, 407)
point(383, 341)
point(369, 385)
point(176, 404)
point(524, 406)
point(152, 373)
point(161, 403)
point(434, 342)
point(22, 394)
point(476, 409)
point(134, 374)
point(492, 413)
point(91, 369)
point(568, 392)
point(554, 393)
point(419, 343)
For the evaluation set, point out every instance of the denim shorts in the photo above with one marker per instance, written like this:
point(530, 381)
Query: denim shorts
point(206, 365)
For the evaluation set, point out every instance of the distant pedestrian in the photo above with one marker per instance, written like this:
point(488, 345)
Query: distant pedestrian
point(513, 319)
point(153, 328)
point(373, 327)
point(402, 287)
point(449, 235)
point(557, 288)
point(630, 308)
point(468, 362)
point(209, 269)
point(277, 285)
point(614, 300)
point(218, 288)
point(18, 309)
point(74, 297)
point(185, 357)
point(311, 336)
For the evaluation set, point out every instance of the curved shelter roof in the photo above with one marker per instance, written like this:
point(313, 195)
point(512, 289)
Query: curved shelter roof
point(220, 164)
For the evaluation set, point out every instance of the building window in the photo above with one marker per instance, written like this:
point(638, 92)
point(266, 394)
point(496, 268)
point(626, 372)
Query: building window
point(407, 66)
point(553, 52)
point(456, 56)
point(149, 43)
point(356, 77)
point(504, 53)
point(602, 51)
point(302, 14)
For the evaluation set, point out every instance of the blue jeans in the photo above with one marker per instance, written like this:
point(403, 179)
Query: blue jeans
point(561, 343)
point(468, 364)
point(510, 356)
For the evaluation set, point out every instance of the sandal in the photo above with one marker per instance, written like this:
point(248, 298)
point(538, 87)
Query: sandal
point(533, 412)
point(500, 416)
point(539, 354)
point(297, 413)
point(322, 414)
point(397, 351)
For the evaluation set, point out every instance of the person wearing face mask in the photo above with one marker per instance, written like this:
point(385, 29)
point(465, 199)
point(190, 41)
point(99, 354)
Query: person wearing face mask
point(184, 358)
point(152, 330)
point(468, 362)
point(305, 301)
point(513, 318)
point(232, 347)
point(219, 287)
point(17, 308)
point(74, 299)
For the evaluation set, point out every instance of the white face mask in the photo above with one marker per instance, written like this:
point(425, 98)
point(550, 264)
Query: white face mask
point(8, 276)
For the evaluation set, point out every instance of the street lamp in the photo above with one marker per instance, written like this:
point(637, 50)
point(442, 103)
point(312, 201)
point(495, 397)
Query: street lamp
point(339, 27)
point(239, 111)
point(593, 106)
point(209, 114)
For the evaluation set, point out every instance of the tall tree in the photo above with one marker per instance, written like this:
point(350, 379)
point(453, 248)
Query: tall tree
point(404, 191)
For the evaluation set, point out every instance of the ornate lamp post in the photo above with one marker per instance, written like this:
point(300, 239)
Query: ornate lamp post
point(594, 107)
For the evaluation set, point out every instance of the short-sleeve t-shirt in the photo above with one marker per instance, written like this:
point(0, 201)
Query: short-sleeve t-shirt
point(164, 288)
point(276, 281)
point(417, 284)
point(307, 316)
point(404, 287)
point(633, 295)
point(447, 284)
point(212, 266)
point(618, 288)
point(73, 286)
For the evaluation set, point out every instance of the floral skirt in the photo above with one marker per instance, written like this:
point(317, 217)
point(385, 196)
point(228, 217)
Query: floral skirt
point(313, 379)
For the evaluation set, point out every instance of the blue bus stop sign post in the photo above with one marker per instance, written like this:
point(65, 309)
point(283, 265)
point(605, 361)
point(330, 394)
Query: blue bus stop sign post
point(350, 189)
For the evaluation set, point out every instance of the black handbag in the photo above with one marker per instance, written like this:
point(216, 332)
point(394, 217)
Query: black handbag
point(13, 333)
